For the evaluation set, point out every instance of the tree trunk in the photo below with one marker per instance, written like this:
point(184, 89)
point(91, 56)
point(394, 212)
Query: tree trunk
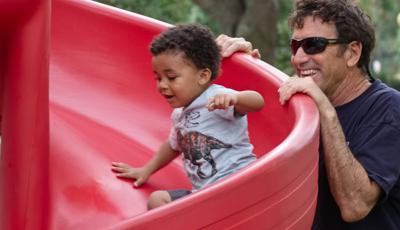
point(255, 20)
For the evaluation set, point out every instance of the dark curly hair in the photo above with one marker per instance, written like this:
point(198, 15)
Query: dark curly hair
point(352, 23)
point(197, 42)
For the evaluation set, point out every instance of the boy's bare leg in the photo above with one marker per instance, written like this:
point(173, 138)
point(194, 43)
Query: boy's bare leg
point(157, 199)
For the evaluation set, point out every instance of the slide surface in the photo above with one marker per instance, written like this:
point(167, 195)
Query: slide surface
point(104, 107)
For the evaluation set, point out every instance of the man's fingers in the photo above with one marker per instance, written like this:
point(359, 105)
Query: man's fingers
point(231, 45)
point(221, 39)
point(255, 53)
point(236, 45)
point(288, 88)
point(283, 93)
point(282, 98)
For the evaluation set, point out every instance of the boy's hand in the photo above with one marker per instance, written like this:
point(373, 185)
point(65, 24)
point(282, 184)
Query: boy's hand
point(126, 171)
point(221, 101)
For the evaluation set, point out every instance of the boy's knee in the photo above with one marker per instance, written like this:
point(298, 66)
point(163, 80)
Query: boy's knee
point(157, 199)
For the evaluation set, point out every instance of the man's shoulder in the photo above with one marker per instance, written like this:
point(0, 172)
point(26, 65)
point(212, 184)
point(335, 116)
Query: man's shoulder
point(383, 96)
point(380, 88)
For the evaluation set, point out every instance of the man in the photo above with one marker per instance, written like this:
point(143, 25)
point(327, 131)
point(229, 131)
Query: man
point(359, 185)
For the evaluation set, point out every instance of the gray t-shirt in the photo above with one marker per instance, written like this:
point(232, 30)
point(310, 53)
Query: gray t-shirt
point(213, 144)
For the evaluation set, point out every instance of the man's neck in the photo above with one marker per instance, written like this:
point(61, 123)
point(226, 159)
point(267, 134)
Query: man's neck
point(352, 87)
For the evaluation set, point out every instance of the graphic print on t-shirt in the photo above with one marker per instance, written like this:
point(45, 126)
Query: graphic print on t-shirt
point(190, 117)
point(196, 146)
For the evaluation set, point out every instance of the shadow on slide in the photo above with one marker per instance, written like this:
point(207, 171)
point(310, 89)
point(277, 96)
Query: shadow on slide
point(104, 107)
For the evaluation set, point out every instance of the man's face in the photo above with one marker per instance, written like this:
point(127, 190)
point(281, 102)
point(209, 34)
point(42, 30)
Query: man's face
point(328, 67)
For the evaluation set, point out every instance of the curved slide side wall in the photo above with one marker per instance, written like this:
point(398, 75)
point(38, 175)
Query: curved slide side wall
point(24, 71)
point(104, 107)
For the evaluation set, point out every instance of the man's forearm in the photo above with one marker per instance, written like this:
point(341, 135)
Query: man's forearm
point(355, 193)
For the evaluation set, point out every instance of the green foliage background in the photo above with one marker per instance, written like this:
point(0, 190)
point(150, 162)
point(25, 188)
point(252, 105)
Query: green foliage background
point(171, 11)
point(384, 14)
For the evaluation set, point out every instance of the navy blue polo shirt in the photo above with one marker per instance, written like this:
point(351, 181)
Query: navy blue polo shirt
point(371, 124)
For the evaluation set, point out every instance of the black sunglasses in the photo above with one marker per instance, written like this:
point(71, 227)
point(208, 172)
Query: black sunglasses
point(312, 45)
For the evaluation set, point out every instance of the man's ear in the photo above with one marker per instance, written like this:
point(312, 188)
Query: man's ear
point(205, 76)
point(353, 53)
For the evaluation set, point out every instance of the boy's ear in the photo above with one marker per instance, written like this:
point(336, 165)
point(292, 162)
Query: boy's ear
point(205, 76)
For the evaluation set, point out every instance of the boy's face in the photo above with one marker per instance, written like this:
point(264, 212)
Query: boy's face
point(178, 79)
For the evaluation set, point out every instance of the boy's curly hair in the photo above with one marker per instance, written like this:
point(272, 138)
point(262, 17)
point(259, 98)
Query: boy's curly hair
point(197, 42)
point(352, 23)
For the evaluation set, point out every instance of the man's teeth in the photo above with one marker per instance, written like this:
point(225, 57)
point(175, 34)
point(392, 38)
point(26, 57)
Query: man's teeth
point(307, 73)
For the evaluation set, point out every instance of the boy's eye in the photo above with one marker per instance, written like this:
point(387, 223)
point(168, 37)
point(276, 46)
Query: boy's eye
point(171, 78)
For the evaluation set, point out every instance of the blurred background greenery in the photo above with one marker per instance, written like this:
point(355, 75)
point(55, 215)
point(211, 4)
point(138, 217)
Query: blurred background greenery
point(264, 23)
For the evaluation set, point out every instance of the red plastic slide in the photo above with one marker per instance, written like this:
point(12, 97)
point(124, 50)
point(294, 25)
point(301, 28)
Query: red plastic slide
point(103, 106)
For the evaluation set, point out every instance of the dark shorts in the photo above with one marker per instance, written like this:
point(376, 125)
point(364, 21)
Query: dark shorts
point(178, 193)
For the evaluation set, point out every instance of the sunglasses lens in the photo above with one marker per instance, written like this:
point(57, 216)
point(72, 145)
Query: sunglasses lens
point(314, 45)
point(295, 45)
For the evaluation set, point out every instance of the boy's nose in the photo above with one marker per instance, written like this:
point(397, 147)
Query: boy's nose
point(162, 84)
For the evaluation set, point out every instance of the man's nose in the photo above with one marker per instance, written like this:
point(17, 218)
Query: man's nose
point(299, 57)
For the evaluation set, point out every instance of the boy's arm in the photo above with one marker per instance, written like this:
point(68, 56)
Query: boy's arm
point(248, 101)
point(163, 156)
point(243, 101)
